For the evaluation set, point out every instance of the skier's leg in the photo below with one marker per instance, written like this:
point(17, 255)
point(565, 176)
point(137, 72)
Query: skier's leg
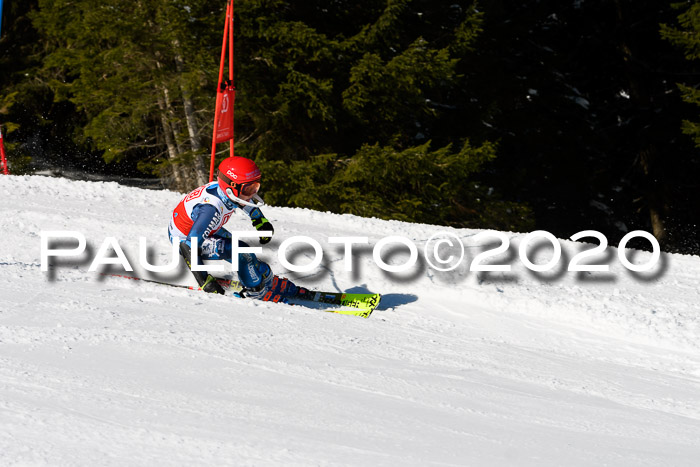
point(206, 281)
point(251, 271)
point(256, 276)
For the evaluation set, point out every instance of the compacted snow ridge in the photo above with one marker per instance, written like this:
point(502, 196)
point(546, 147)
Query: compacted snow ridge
point(453, 368)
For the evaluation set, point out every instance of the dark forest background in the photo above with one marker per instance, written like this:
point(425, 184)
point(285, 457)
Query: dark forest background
point(561, 115)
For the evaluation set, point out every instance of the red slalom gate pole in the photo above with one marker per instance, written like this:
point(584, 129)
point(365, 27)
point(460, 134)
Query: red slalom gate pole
point(228, 39)
point(230, 69)
point(5, 170)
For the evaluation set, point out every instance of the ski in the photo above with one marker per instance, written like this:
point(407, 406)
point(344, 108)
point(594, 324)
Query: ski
point(355, 304)
point(359, 304)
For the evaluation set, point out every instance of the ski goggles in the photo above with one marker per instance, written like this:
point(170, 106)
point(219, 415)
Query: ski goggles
point(245, 189)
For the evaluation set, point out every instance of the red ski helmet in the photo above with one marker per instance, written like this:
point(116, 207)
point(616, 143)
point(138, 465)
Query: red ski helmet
point(239, 178)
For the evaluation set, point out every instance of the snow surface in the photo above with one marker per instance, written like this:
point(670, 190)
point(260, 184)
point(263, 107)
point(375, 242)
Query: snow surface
point(453, 368)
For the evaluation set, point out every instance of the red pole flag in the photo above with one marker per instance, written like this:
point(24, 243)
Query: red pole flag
point(2, 156)
point(225, 94)
point(224, 113)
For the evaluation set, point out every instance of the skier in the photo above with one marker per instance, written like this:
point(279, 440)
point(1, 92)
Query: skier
point(201, 215)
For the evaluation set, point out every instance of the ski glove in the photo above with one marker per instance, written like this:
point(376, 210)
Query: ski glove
point(262, 224)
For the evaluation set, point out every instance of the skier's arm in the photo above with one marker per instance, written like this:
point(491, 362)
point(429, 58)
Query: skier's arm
point(260, 223)
point(205, 218)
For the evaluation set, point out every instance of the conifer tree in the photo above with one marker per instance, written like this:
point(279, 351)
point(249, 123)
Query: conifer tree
point(687, 36)
point(124, 66)
point(334, 93)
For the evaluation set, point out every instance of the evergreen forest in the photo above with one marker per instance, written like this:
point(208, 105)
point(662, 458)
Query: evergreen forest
point(516, 115)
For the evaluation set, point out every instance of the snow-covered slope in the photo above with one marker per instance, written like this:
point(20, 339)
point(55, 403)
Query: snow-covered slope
point(454, 368)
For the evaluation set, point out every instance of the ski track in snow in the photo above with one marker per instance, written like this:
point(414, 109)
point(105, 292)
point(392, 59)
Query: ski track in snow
point(452, 369)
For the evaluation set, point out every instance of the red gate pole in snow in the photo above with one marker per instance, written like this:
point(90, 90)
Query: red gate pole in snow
point(2, 156)
point(225, 94)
